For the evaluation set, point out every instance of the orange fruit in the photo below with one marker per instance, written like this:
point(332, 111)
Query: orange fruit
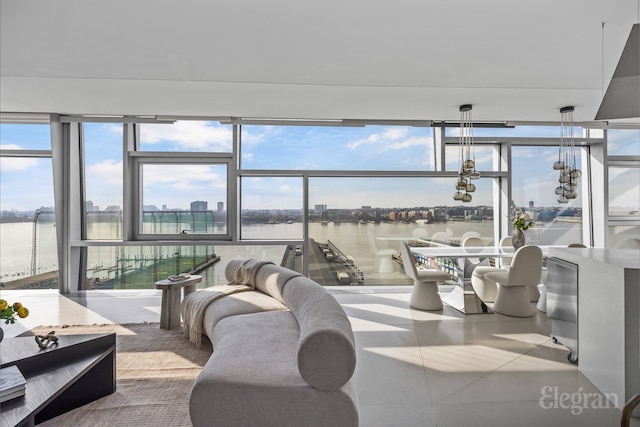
point(16, 306)
point(23, 312)
point(3, 304)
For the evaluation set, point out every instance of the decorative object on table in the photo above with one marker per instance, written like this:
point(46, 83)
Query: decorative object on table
point(44, 340)
point(12, 383)
point(517, 239)
point(467, 157)
point(179, 277)
point(8, 312)
point(520, 224)
point(569, 173)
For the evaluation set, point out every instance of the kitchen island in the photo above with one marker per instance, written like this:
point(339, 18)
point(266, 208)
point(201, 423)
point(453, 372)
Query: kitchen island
point(608, 305)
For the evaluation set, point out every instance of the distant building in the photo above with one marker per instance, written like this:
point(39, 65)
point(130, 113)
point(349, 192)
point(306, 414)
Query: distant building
point(220, 206)
point(90, 207)
point(199, 205)
point(531, 204)
point(320, 209)
point(113, 208)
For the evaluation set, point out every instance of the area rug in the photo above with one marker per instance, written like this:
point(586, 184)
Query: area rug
point(155, 371)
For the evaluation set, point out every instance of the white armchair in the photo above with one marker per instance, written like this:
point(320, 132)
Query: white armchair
point(629, 243)
point(512, 298)
point(505, 243)
point(471, 263)
point(485, 288)
point(425, 282)
point(384, 257)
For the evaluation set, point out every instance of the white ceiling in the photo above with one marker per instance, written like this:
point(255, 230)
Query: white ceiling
point(515, 60)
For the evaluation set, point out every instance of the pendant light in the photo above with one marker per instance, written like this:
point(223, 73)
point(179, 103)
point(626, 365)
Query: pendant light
point(566, 164)
point(466, 157)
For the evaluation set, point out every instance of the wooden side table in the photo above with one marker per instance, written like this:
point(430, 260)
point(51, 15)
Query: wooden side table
point(170, 308)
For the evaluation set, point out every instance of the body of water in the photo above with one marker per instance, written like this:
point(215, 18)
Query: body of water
point(353, 239)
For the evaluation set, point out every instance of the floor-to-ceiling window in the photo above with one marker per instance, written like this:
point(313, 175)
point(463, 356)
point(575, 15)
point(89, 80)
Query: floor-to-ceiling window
point(623, 149)
point(160, 198)
point(533, 191)
point(27, 214)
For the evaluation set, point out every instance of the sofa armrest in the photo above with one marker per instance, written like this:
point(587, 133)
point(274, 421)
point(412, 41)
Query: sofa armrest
point(326, 350)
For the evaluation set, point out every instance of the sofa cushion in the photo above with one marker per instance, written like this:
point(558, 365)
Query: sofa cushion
point(234, 304)
point(326, 350)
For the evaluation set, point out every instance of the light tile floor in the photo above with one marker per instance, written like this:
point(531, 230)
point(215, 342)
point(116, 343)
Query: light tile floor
point(414, 368)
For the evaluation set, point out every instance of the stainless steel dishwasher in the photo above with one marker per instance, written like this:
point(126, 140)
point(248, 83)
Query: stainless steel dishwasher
point(562, 304)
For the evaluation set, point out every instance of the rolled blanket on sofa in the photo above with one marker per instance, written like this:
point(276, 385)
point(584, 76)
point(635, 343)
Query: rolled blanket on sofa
point(195, 304)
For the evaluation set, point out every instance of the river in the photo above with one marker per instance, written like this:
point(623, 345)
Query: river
point(17, 255)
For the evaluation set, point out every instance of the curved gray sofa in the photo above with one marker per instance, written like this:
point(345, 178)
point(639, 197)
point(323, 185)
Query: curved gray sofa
point(283, 355)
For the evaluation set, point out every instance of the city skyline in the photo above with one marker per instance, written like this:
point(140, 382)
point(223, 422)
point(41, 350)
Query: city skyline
point(413, 211)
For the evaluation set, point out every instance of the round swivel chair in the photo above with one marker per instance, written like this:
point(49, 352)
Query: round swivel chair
point(424, 295)
point(384, 257)
point(512, 298)
point(486, 289)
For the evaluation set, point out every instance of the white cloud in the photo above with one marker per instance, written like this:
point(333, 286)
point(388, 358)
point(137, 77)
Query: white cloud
point(189, 135)
point(250, 138)
point(394, 138)
point(181, 176)
point(410, 142)
point(114, 128)
point(107, 170)
point(13, 164)
point(388, 136)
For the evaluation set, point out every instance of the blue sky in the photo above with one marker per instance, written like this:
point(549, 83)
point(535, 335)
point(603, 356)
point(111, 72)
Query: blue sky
point(26, 183)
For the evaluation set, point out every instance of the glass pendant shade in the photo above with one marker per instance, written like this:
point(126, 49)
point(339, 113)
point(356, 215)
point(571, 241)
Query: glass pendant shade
point(559, 190)
point(558, 165)
point(576, 173)
point(466, 198)
point(474, 175)
point(562, 199)
point(461, 184)
point(570, 186)
point(571, 194)
point(458, 196)
point(469, 164)
point(564, 178)
point(470, 188)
